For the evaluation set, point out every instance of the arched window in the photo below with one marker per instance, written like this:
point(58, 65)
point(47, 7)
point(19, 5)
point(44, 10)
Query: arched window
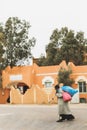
point(82, 86)
point(48, 81)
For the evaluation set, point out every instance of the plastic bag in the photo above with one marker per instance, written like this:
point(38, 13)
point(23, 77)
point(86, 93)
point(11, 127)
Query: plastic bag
point(70, 90)
point(66, 96)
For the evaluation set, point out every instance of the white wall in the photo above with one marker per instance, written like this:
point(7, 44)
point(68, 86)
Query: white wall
point(75, 98)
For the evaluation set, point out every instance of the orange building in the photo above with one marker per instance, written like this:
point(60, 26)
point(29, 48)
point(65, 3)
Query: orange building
point(35, 84)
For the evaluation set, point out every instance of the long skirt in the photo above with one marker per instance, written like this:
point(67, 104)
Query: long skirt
point(64, 110)
point(63, 107)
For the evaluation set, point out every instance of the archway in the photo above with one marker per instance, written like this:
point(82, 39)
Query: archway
point(22, 87)
point(19, 87)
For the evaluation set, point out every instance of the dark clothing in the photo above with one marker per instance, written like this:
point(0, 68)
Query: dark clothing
point(8, 99)
point(56, 88)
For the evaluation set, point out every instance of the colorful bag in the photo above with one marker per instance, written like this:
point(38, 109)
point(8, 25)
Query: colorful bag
point(66, 96)
point(70, 90)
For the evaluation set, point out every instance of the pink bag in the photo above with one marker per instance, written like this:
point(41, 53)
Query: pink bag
point(66, 96)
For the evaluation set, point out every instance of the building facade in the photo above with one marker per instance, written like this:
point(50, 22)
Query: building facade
point(35, 85)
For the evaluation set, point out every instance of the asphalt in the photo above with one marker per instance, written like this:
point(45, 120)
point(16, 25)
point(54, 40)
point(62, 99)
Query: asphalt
point(41, 117)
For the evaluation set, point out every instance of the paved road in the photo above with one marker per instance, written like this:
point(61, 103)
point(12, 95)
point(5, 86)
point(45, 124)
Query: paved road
point(40, 117)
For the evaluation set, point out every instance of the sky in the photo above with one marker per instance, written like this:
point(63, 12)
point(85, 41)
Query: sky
point(46, 15)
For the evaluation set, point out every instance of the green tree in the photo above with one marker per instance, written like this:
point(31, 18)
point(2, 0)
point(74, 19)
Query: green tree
point(51, 50)
point(2, 41)
point(17, 41)
point(72, 48)
point(41, 60)
point(66, 45)
point(64, 76)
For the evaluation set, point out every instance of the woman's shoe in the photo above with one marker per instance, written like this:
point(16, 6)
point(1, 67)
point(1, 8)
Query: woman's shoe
point(60, 120)
point(70, 118)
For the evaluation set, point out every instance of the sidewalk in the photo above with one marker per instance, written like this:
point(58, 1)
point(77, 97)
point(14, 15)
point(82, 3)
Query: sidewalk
point(40, 117)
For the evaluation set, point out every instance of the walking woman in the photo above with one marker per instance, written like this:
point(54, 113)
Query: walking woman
point(63, 107)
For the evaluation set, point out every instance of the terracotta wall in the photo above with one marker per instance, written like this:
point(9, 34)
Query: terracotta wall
point(25, 71)
point(34, 95)
point(4, 94)
point(33, 76)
